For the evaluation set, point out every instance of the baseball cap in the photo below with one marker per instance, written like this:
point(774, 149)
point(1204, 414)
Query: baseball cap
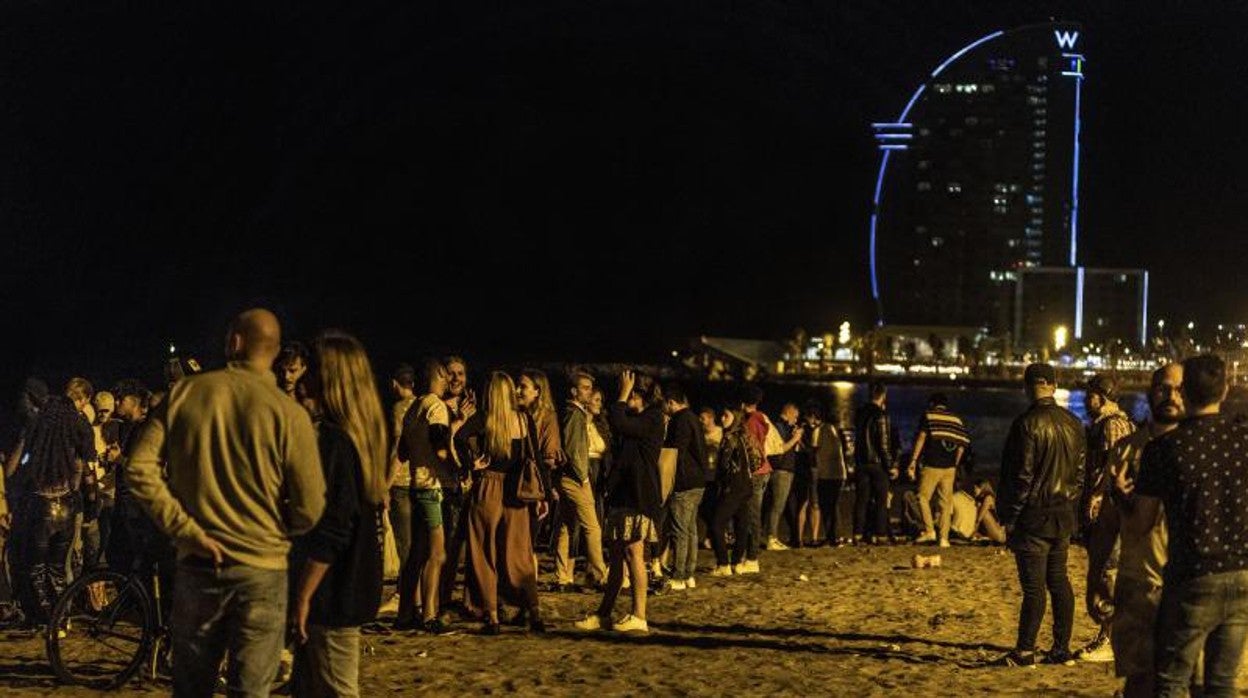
point(1104, 385)
point(104, 401)
point(1040, 372)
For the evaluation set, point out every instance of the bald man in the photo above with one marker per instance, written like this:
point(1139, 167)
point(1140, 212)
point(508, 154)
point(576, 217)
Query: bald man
point(244, 477)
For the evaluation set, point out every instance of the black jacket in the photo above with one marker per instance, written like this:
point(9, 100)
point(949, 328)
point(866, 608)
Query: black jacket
point(876, 443)
point(684, 433)
point(347, 538)
point(633, 482)
point(1042, 470)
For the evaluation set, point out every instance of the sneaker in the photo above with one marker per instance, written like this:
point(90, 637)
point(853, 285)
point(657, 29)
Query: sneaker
point(592, 621)
point(435, 626)
point(775, 544)
point(691, 583)
point(631, 624)
point(676, 585)
point(944, 542)
point(1064, 657)
point(1015, 658)
point(390, 606)
point(656, 570)
point(627, 583)
point(748, 567)
point(1099, 650)
point(721, 571)
point(925, 538)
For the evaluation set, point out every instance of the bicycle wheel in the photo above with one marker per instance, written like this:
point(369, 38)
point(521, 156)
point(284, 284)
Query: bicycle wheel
point(101, 631)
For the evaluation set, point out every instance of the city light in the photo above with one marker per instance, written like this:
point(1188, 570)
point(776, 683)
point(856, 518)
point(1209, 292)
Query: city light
point(1060, 335)
point(842, 335)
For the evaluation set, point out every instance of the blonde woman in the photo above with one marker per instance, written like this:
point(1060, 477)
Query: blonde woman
point(338, 563)
point(500, 543)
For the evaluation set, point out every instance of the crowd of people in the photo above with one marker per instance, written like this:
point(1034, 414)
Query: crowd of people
point(270, 493)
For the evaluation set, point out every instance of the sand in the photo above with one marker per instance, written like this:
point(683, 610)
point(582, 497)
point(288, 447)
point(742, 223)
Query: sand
point(863, 623)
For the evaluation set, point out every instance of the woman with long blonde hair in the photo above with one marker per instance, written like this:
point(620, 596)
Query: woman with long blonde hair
point(339, 562)
point(500, 544)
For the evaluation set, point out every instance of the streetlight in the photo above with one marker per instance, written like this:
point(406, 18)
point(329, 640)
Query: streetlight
point(1060, 334)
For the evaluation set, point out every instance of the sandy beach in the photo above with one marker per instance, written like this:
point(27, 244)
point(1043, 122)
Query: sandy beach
point(861, 623)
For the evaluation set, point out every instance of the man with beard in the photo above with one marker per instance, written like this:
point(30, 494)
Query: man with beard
point(458, 398)
point(1109, 426)
point(1142, 543)
point(1198, 470)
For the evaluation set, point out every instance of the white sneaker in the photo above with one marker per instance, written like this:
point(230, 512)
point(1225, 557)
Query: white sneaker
point(390, 606)
point(748, 567)
point(676, 585)
point(691, 583)
point(926, 538)
point(775, 544)
point(656, 570)
point(631, 624)
point(1096, 652)
point(628, 582)
point(721, 571)
point(590, 622)
point(944, 542)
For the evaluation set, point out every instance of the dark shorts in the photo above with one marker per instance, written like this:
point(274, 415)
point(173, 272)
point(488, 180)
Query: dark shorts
point(427, 508)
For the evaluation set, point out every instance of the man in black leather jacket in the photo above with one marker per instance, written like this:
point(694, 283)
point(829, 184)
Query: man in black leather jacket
point(1041, 480)
point(876, 461)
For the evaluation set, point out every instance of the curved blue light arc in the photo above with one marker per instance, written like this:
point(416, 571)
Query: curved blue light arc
point(879, 180)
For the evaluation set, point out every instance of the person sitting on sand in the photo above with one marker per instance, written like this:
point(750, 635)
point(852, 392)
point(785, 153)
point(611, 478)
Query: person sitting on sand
point(974, 515)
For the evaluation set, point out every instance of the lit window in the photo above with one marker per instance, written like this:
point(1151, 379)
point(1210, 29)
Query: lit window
point(1014, 188)
point(1122, 278)
point(1034, 199)
point(1000, 187)
point(941, 88)
point(1012, 242)
point(924, 186)
point(987, 87)
point(938, 241)
point(954, 188)
point(1000, 209)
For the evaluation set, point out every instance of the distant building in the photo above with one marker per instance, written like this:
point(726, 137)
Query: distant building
point(979, 180)
point(1093, 305)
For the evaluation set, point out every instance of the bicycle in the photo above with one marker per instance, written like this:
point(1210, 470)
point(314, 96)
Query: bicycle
point(106, 626)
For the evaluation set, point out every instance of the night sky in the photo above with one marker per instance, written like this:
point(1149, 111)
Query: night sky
point(542, 180)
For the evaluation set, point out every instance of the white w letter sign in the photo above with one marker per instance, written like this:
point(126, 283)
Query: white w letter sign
point(1066, 40)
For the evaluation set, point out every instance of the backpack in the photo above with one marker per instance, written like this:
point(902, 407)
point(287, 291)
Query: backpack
point(774, 446)
point(738, 457)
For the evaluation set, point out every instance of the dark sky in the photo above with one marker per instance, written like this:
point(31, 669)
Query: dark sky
point(541, 180)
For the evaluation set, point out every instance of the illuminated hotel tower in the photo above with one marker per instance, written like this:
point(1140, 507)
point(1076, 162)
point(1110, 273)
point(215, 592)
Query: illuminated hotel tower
point(979, 180)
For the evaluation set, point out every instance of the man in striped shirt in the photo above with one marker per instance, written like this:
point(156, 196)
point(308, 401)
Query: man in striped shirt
point(940, 444)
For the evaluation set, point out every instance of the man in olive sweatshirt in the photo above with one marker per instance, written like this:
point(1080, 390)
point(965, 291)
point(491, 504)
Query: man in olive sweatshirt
point(244, 477)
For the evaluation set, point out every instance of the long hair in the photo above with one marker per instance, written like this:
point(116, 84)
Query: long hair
point(545, 403)
point(348, 392)
point(50, 457)
point(500, 408)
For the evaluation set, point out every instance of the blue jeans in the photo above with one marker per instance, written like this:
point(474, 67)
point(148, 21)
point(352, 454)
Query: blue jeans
point(781, 485)
point(755, 531)
point(1209, 613)
point(684, 518)
point(239, 609)
point(328, 665)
